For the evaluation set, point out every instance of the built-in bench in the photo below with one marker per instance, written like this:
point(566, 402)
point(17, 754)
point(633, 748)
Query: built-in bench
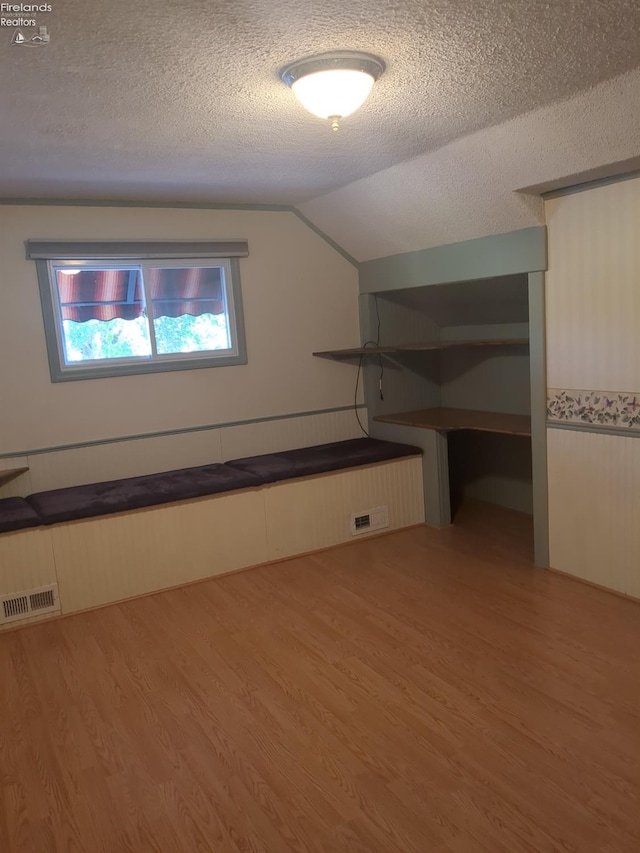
point(16, 514)
point(95, 499)
point(322, 459)
point(108, 541)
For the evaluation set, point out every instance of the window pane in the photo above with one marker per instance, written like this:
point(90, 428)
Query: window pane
point(118, 316)
point(103, 314)
point(189, 309)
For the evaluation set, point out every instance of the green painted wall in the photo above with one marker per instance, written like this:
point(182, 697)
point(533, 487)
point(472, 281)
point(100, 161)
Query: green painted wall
point(436, 294)
point(520, 251)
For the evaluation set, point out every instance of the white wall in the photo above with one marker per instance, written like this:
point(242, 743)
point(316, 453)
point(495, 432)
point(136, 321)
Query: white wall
point(593, 356)
point(299, 296)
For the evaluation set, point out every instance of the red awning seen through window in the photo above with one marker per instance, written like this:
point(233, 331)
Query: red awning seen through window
point(95, 294)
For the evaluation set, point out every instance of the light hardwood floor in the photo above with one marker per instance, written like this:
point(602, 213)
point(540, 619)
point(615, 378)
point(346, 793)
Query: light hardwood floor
point(424, 691)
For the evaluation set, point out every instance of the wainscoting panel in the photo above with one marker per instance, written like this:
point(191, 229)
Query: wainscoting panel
point(594, 508)
point(288, 433)
point(120, 556)
point(26, 561)
point(312, 513)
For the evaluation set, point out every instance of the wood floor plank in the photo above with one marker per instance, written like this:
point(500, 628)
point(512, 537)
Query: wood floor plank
point(425, 691)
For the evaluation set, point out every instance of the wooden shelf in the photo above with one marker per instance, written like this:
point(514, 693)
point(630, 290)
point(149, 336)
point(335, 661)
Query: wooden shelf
point(356, 352)
point(10, 474)
point(455, 419)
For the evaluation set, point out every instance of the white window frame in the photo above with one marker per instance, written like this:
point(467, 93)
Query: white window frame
point(62, 371)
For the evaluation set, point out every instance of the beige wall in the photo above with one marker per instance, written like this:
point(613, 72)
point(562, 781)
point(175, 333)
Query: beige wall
point(593, 289)
point(593, 345)
point(57, 469)
point(594, 508)
point(299, 295)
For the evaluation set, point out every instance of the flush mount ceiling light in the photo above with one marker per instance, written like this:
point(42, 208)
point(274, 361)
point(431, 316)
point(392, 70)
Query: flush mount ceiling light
point(333, 85)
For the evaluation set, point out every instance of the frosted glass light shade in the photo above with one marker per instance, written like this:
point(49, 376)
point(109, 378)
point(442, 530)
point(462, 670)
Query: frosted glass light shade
point(336, 92)
point(333, 85)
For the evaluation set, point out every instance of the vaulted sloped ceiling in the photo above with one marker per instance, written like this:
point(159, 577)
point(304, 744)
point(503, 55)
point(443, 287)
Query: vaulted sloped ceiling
point(488, 182)
point(181, 101)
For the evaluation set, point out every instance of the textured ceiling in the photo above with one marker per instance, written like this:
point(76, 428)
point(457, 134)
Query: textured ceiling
point(474, 186)
point(181, 101)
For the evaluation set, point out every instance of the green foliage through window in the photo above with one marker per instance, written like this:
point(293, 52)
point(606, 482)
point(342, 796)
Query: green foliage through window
point(118, 338)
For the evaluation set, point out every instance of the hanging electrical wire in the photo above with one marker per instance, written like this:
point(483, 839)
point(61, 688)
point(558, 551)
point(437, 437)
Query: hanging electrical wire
point(369, 343)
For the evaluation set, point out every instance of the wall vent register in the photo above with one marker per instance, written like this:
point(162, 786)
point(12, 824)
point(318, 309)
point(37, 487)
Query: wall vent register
point(369, 519)
point(29, 603)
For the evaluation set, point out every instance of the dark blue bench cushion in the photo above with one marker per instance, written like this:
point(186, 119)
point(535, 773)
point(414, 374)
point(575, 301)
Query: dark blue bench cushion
point(136, 492)
point(322, 458)
point(16, 514)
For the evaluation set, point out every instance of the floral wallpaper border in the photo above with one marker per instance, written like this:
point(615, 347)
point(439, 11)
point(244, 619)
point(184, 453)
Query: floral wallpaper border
point(599, 408)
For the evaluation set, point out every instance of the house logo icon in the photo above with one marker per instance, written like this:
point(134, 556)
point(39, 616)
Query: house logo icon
point(42, 37)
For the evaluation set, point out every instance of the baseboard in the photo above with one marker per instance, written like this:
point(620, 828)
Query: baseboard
point(594, 585)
